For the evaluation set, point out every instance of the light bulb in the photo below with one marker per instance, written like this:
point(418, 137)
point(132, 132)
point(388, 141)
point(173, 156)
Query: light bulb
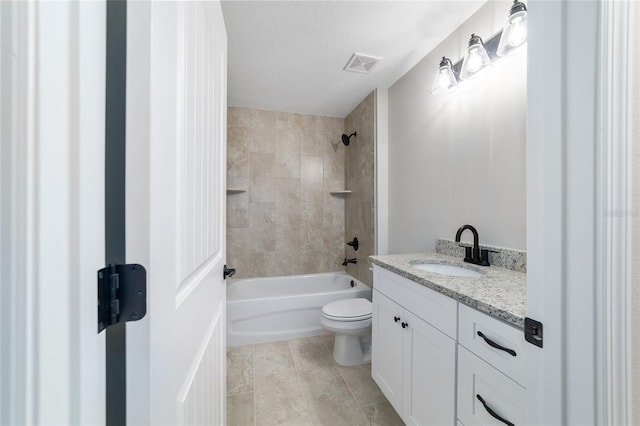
point(518, 33)
point(514, 33)
point(475, 60)
point(445, 78)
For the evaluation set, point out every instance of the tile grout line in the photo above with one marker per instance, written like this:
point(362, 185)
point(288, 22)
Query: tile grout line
point(295, 365)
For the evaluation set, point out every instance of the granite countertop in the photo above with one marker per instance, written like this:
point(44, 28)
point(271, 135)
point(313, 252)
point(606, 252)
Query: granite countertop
point(501, 293)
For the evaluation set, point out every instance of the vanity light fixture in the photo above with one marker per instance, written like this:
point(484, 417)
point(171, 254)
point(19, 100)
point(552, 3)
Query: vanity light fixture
point(476, 58)
point(445, 80)
point(480, 55)
point(514, 33)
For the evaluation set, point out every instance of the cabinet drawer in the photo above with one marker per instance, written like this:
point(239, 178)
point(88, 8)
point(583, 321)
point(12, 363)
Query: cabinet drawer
point(504, 397)
point(437, 309)
point(470, 322)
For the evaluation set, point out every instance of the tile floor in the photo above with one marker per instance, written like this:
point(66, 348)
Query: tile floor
point(296, 382)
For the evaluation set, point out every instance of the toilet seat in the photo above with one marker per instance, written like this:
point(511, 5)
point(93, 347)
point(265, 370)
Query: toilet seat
point(357, 309)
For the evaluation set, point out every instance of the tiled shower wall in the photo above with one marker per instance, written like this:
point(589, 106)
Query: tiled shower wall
point(360, 204)
point(286, 223)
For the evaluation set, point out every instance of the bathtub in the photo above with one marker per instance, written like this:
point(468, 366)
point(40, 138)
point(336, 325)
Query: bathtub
point(263, 310)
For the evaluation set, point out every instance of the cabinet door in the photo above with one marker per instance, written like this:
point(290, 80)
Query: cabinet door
point(386, 355)
point(429, 374)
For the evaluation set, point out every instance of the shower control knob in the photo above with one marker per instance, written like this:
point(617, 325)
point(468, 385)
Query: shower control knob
point(354, 243)
point(405, 325)
point(396, 319)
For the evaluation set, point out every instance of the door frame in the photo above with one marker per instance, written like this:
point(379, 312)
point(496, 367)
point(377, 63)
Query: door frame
point(614, 215)
point(52, 211)
point(578, 205)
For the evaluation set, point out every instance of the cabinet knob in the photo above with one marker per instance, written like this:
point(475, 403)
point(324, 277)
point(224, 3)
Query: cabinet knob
point(396, 319)
point(405, 324)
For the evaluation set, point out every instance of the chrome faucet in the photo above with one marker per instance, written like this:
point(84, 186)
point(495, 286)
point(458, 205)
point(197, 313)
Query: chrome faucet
point(347, 261)
point(473, 255)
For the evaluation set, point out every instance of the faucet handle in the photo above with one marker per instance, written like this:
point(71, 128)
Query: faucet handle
point(467, 253)
point(484, 256)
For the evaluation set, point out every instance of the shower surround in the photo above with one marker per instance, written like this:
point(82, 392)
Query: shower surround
point(286, 223)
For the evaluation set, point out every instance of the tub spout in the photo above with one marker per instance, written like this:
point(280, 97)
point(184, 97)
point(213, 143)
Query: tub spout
point(347, 261)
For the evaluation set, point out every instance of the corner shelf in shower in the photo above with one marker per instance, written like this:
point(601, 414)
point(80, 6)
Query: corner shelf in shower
point(345, 192)
point(235, 191)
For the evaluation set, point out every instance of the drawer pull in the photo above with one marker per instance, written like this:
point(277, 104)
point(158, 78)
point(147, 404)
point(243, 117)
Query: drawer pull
point(405, 325)
point(493, 413)
point(396, 319)
point(495, 345)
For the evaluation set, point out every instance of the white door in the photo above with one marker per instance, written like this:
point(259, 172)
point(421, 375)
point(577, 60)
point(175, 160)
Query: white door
point(52, 126)
point(176, 159)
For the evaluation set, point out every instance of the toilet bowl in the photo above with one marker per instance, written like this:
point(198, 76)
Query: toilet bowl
point(350, 321)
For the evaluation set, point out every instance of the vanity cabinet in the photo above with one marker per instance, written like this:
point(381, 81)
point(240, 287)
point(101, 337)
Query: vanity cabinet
point(428, 349)
point(413, 361)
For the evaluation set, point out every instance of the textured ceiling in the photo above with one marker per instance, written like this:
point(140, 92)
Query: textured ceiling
point(289, 55)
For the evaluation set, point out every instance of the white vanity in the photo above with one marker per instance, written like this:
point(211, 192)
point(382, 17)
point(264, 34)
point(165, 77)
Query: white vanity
point(440, 361)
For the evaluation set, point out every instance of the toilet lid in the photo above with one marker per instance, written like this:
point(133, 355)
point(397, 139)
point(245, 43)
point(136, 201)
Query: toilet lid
point(348, 308)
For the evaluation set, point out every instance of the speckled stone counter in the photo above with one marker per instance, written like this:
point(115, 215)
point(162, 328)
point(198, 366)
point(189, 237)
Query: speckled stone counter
point(499, 292)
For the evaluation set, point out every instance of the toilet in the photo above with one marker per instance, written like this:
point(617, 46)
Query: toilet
point(350, 321)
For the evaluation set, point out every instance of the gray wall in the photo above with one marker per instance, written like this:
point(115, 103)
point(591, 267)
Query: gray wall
point(459, 158)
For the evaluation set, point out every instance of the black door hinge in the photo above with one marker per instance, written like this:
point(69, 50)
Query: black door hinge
point(533, 332)
point(122, 294)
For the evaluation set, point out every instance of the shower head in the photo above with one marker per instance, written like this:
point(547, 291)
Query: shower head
point(346, 139)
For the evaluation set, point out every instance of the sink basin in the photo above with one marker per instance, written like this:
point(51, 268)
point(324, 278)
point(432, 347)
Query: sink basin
point(450, 270)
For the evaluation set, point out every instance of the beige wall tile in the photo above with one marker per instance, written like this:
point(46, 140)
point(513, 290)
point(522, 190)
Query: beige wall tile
point(237, 152)
point(359, 177)
point(288, 198)
point(291, 225)
point(311, 219)
point(262, 221)
point(262, 178)
point(287, 121)
point(310, 144)
point(334, 157)
point(311, 172)
point(238, 251)
point(238, 117)
point(263, 262)
point(261, 119)
point(262, 139)
point(238, 204)
point(287, 146)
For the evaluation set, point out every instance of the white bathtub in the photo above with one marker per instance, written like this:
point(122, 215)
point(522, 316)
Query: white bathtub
point(268, 309)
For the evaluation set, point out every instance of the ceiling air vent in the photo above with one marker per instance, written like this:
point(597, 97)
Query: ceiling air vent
point(361, 63)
